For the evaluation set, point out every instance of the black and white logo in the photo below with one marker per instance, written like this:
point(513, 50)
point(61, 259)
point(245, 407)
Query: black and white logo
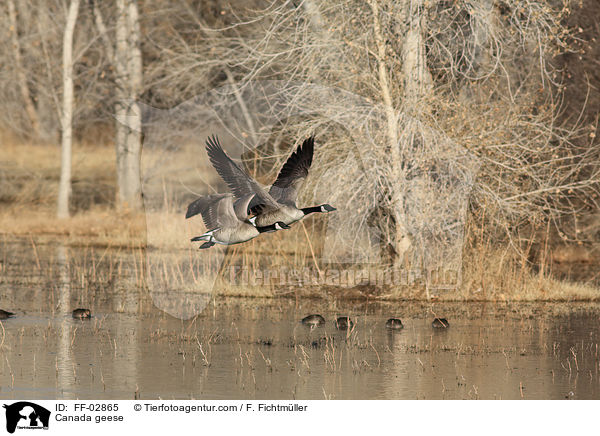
point(26, 415)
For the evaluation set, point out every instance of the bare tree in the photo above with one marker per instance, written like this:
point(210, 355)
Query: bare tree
point(31, 93)
point(128, 66)
point(454, 89)
point(126, 59)
point(446, 83)
point(64, 189)
point(20, 69)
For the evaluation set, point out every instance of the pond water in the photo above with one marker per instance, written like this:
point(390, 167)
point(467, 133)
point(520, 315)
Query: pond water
point(242, 348)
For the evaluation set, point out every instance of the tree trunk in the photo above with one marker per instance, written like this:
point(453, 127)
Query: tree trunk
point(20, 71)
point(64, 189)
point(417, 79)
point(48, 105)
point(128, 141)
point(485, 22)
point(400, 238)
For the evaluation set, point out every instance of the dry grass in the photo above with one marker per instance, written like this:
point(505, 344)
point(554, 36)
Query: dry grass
point(30, 175)
point(495, 275)
point(98, 226)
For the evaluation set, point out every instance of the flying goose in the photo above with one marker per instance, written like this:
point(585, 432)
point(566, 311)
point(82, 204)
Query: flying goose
point(279, 204)
point(227, 221)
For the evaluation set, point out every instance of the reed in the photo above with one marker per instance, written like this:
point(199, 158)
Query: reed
point(151, 252)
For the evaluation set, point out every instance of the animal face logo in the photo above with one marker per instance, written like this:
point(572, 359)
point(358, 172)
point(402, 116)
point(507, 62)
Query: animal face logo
point(24, 414)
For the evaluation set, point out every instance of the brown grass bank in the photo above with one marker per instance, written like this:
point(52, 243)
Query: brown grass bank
point(29, 178)
point(29, 175)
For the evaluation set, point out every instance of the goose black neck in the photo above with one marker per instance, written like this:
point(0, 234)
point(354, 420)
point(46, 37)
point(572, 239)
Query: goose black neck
point(314, 209)
point(266, 229)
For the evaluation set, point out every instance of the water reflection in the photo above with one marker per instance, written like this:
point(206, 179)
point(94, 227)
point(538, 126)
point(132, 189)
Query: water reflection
point(64, 360)
point(257, 348)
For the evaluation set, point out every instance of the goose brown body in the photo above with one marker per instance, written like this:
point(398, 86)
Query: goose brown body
point(228, 220)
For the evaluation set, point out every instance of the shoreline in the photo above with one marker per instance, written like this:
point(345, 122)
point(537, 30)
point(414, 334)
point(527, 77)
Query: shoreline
point(532, 287)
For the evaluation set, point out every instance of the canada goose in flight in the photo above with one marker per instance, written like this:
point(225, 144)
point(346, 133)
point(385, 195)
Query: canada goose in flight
point(279, 204)
point(227, 221)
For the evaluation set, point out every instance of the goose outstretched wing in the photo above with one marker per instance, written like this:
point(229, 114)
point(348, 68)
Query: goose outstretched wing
point(293, 173)
point(216, 210)
point(240, 183)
